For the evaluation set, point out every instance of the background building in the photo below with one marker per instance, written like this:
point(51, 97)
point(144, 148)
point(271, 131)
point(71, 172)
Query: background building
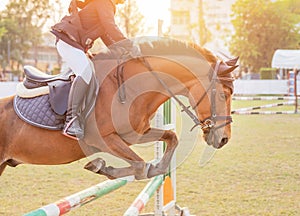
point(45, 56)
point(184, 19)
point(184, 23)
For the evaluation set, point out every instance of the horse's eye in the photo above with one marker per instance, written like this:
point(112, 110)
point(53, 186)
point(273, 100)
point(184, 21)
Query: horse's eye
point(223, 96)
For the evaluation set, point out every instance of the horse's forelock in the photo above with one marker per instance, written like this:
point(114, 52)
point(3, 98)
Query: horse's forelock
point(224, 73)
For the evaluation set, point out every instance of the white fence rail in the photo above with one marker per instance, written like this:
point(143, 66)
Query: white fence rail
point(241, 87)
point(254, 87)
point(7, 88)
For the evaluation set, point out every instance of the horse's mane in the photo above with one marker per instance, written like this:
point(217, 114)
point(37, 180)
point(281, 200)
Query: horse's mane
point(158, 46)
point(209, 56)
point(166, 46)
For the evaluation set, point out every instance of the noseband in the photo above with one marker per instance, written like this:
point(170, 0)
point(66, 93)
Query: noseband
point(208, 123)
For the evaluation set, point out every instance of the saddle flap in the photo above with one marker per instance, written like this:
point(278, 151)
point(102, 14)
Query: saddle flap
point(59, 94)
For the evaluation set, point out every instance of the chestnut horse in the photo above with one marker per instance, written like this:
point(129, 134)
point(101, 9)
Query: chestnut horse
point(165, 70)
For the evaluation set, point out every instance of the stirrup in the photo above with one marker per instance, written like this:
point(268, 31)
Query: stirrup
point(70, 136)
point(65, 130)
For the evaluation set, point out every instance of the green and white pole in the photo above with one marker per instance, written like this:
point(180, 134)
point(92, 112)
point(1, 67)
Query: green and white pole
point(81, 198)
point(142, 199)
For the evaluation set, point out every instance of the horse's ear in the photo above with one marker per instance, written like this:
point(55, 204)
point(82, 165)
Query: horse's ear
point(232, 62)
point(225, 68)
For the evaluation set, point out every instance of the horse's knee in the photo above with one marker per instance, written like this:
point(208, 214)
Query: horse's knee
point(171, 138)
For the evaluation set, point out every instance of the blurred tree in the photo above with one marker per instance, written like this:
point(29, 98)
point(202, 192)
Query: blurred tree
point(294, 6)
point(59, 11)
point(23, 21)
point(261, 27)
point(130, 19)
point(2, 32)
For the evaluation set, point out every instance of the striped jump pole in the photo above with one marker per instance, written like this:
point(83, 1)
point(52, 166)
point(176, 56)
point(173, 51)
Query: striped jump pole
point(262, 107)
point(263, 98)
point(295, 90)
point(142, 199)
point(81, 198)
point(265, 113)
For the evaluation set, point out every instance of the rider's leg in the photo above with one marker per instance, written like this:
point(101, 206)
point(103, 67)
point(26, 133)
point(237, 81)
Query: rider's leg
point(82, 68)
point(73, 126)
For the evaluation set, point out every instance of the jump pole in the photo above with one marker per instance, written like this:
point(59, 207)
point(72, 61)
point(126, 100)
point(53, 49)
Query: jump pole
point(263, 98)
point(293, 100)
point(139, 203)
point(241, 110)
point(295, 90)
point(163, 186)
point(81, 198)
point(264, 112)
point(154, 186)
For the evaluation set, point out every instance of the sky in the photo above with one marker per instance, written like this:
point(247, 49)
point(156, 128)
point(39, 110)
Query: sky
point(151, 9)
point(154, 10)
point(2, 4)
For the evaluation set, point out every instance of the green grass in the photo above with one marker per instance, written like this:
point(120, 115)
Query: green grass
point(257, 173)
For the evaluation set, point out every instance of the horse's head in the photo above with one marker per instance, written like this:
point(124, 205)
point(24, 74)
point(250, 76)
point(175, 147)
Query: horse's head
point(213, 104)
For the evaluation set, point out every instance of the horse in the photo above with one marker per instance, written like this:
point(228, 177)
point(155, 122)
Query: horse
point(167, 69)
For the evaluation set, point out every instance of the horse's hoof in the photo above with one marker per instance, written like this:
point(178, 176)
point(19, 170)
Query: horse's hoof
point(95, 165)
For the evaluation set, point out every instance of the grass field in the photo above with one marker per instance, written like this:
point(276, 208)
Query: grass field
point(257, 173)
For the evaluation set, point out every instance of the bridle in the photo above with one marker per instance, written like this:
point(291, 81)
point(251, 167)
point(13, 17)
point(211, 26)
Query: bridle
point(208, 123)
point(211, 121)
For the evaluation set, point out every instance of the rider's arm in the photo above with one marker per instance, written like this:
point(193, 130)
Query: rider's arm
point(106, 12)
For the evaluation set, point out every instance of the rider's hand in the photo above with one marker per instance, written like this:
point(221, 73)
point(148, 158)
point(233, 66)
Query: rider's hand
point(126, 49)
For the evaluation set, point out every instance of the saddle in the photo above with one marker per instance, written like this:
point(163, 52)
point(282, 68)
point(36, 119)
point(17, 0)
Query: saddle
point(42, 100)
point(36, 78)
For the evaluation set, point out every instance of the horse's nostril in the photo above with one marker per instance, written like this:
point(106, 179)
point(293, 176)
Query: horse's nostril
point(224, 141)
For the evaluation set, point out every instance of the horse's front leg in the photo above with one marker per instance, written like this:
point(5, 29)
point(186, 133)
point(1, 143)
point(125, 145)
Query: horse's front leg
point(161, 168)
point(171, 140)
point(117, 147)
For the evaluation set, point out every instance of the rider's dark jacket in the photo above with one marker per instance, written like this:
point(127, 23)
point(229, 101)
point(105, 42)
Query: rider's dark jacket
point(94, 20)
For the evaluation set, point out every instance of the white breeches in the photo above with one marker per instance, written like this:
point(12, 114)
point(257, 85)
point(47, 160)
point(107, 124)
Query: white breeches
point(76, 59)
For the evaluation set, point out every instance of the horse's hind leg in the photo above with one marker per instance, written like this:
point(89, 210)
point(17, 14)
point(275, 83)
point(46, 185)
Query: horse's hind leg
point(2, 167)
point(10, 162)
point(117, 147)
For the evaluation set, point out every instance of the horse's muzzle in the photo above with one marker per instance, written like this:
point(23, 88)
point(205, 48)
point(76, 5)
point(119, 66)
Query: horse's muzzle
point(213, 138)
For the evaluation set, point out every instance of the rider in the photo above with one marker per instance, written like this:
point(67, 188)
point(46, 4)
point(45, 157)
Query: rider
point(75, 35)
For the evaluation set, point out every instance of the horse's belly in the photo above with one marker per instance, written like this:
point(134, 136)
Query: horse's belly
point(50, 151)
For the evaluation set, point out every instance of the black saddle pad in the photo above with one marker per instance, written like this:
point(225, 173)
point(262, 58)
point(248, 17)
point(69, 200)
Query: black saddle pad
point(38, 112)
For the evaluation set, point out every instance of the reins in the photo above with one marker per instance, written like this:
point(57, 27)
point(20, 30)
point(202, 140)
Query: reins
point(209, 122)
point(184, 108)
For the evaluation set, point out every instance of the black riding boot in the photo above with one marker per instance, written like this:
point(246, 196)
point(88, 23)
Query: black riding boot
point(73, 127)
